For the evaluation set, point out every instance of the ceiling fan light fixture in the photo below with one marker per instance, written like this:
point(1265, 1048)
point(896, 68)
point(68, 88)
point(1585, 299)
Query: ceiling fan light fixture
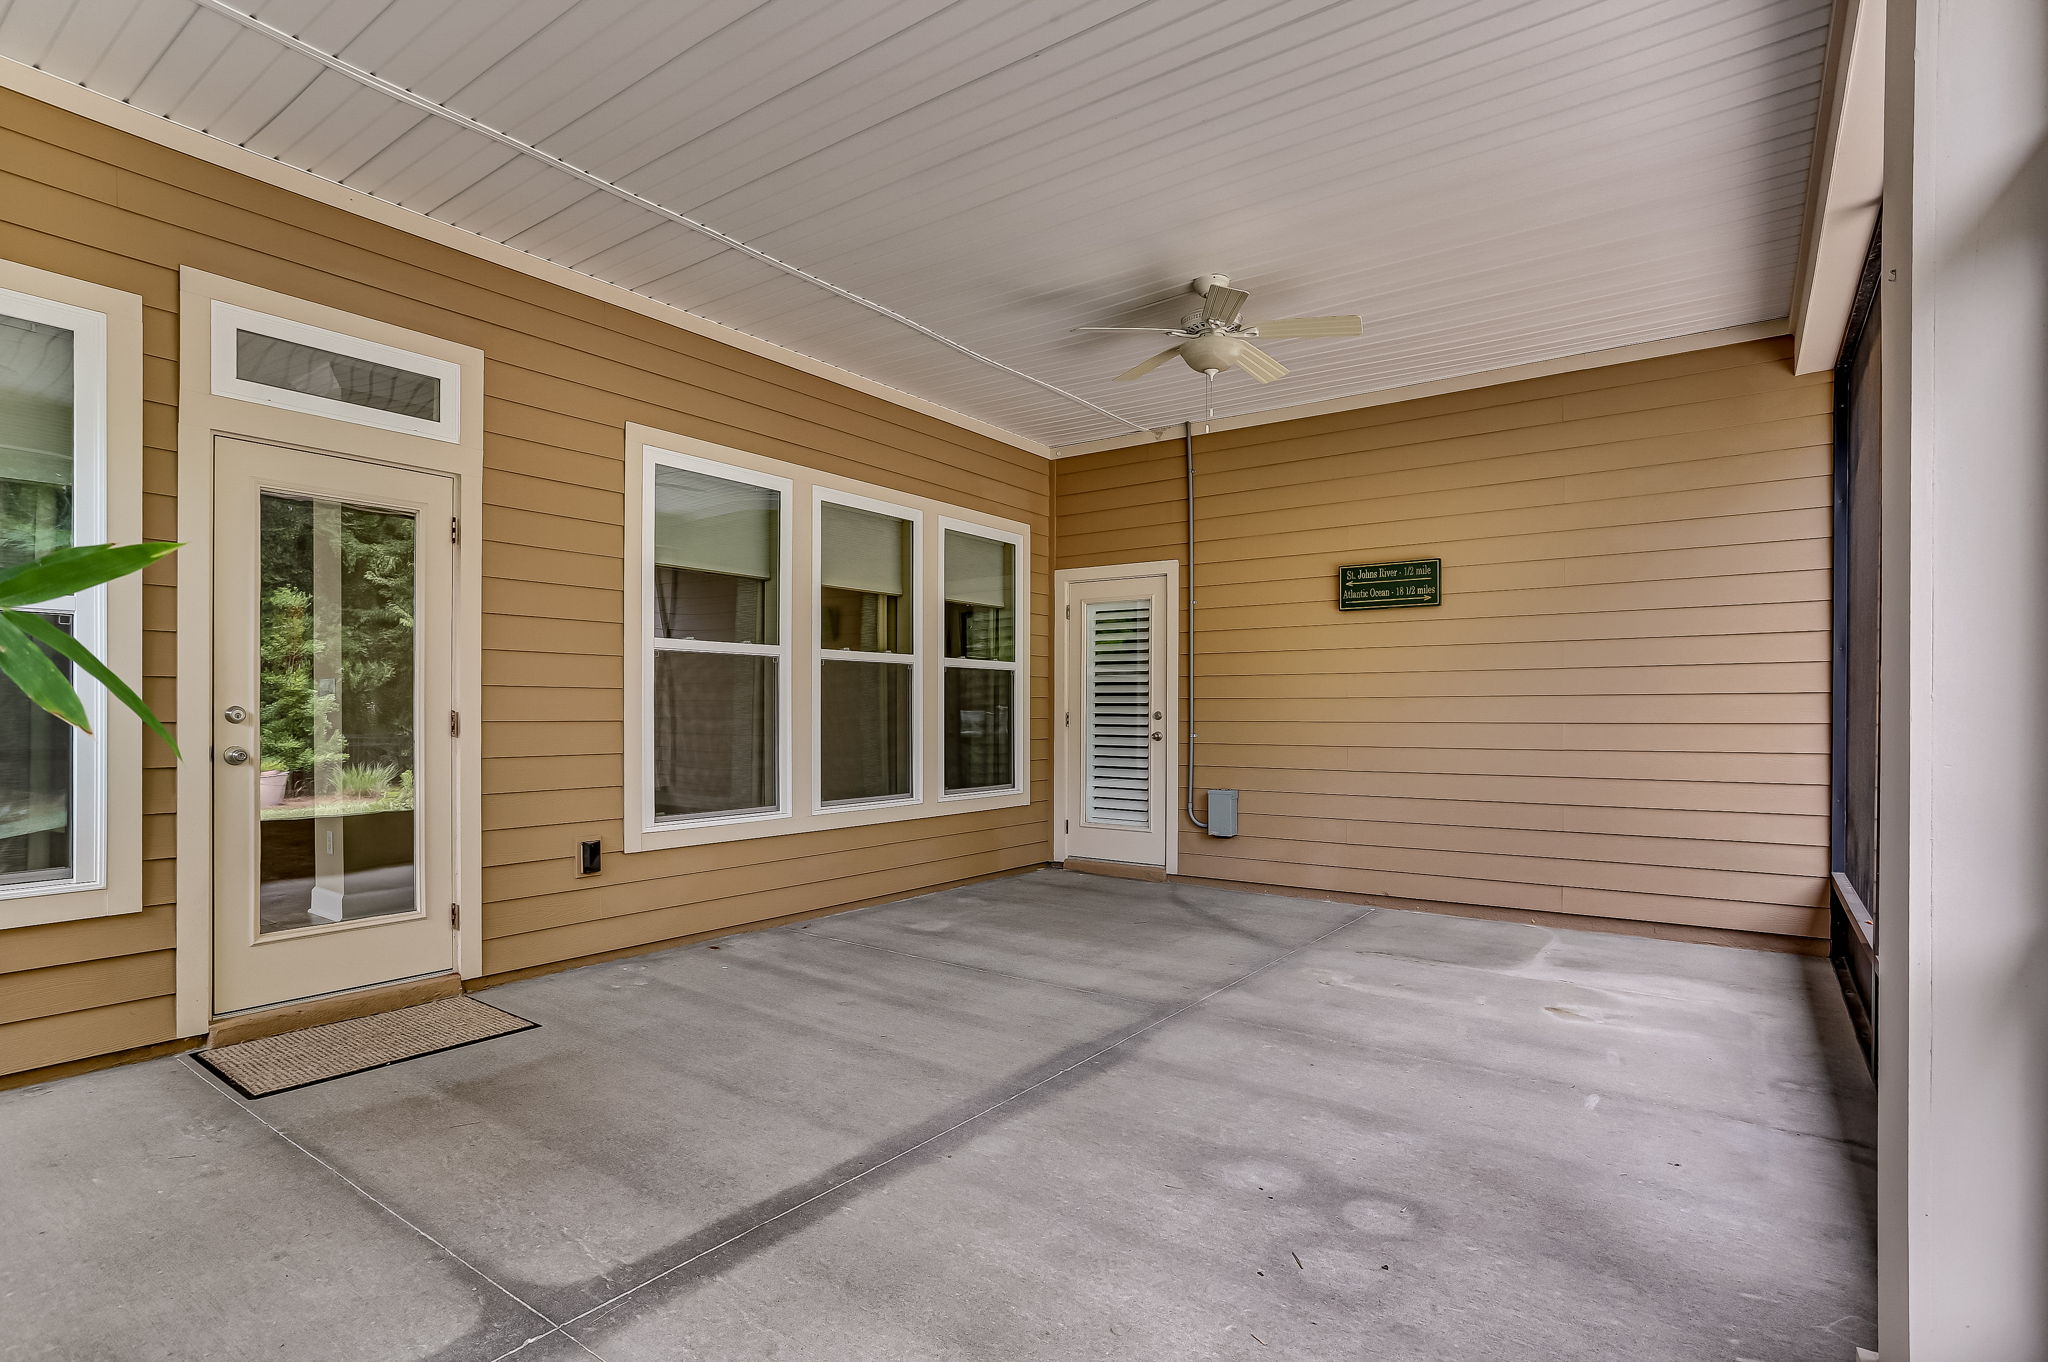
point(1215, 338)
point(1207, 352)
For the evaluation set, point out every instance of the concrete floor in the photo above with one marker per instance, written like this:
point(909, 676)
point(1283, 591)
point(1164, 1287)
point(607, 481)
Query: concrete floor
point(1055, 1117)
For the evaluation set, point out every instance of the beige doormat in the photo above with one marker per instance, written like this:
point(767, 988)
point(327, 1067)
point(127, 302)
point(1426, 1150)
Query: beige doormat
point(297, 1059)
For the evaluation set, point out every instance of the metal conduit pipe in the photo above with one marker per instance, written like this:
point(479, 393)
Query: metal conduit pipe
point(1188, 689)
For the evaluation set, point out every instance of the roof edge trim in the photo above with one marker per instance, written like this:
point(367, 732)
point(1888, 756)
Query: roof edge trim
point(1845, 185)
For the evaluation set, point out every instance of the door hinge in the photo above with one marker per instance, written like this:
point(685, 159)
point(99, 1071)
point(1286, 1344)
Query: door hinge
point(454, 724)
point(454, 531)
point(1070, 718)
point(455, 917)
point(1066, 825)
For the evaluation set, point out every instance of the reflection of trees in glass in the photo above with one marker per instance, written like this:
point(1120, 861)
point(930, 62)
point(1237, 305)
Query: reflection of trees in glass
point(35, 517)
point(336, 643)
point(299, 732)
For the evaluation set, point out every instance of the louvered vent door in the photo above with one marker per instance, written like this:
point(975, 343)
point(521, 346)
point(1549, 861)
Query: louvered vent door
point(1116, 743)
point(1118, 639)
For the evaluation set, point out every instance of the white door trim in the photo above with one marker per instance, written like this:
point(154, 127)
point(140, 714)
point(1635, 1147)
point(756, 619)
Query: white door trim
point(203, 415)
point(1066, 757)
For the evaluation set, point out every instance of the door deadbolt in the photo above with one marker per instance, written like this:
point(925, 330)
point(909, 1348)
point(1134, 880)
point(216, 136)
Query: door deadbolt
point(235, 714)
point(235, 756)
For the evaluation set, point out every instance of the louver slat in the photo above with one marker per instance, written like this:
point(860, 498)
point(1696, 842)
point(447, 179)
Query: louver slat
point(1117, 710)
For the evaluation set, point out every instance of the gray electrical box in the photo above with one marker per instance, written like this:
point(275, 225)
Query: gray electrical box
point(1223, 813)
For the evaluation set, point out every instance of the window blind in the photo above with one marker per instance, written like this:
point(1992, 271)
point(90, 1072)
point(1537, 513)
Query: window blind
point(863, 550)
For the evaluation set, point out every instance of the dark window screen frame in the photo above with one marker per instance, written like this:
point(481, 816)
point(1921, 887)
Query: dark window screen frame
point(1854, 698)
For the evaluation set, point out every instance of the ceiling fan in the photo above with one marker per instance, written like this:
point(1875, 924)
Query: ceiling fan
point(1213, 339)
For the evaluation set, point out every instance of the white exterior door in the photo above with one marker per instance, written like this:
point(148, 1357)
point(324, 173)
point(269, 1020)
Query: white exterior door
point(333, 761)
point(1118, 801)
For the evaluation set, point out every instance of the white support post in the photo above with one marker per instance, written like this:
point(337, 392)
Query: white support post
point(1963, 975)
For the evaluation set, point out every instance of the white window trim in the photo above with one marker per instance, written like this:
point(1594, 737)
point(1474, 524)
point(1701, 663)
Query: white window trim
point(920, 638)
point(809, 488)
point(106, 860)
point(228, 318)
point(783, 651)
point(1020, 682)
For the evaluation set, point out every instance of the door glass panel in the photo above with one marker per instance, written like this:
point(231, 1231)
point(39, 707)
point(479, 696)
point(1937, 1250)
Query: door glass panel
point(1116, 704)
point(337, 713)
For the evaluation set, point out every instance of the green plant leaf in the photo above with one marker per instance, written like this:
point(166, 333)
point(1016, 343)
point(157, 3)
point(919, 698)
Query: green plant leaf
point(43, 631)
point(64, 571)
point(40, 679)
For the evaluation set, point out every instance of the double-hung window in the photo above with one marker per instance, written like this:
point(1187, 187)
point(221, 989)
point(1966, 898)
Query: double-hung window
point(982, 685)
point(814, 652)
point(719, 667)
point(867, 570)
point(60, 789)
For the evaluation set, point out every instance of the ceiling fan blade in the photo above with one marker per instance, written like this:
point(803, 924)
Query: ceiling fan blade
point(1147, 330)
point(1148, 366)
point(1288, 327)
point(1222, 304)
point(1259, 364)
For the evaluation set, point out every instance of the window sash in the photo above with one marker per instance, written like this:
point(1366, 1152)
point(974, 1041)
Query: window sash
point(915, 607)
point(1016, 663)
point(1020, 725)
point(654, 644)
point(86, 825)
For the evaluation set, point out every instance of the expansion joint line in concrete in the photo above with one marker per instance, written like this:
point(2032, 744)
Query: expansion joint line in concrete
point(838, 1187)
point(560, 1326)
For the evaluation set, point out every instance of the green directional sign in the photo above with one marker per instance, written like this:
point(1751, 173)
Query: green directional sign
point(1389, 586)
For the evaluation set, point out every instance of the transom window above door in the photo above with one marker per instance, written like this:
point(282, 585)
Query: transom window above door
point(813, 652)
point(279, 362)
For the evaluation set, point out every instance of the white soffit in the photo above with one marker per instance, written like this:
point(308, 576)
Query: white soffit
point(1491, 183)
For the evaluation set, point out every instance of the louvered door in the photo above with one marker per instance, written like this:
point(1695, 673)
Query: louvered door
point(1116, 713)
point(1118, 800)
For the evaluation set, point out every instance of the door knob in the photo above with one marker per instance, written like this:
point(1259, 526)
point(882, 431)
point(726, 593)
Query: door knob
point(235, 756)
point(1158, 737)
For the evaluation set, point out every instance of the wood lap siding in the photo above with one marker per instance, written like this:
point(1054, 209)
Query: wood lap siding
point(564, 374)
point(1621, 708)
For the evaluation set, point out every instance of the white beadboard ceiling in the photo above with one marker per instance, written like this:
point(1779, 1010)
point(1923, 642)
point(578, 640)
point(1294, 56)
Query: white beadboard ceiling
point(1489, 182)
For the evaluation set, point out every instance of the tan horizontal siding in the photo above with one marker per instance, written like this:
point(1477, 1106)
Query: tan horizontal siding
point(1621, 708)
point(564, 373)
point(669, 922)
point(64, 1036)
